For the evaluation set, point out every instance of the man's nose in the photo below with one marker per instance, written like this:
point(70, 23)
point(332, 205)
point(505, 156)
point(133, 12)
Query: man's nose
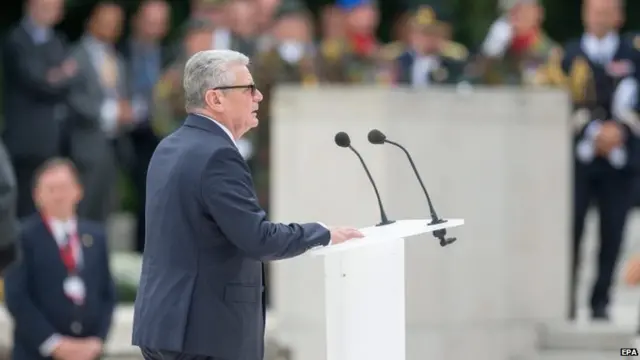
point(258, 97)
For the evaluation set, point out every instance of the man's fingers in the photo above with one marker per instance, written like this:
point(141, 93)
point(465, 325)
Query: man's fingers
point(353, 233)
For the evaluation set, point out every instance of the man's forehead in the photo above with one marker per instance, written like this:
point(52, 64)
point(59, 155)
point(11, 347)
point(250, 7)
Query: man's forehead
point(243, 75)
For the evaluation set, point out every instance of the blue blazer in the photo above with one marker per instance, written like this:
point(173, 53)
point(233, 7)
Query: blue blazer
point(34, 295)
point(201, 290)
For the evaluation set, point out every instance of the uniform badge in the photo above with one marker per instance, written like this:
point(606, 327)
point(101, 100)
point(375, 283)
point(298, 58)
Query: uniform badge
point(87, 240)
point(579, 76)
point(620, 68)
point(425, 16)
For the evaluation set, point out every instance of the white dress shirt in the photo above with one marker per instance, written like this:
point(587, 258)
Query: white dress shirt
point(422, 67)
point(600, 51)
point(60, 231)
point(244, 146)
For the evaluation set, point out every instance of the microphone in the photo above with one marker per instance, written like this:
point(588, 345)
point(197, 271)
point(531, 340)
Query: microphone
point(342, 139)
point(376, 137)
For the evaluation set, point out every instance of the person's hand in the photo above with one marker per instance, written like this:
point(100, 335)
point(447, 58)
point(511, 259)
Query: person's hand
point(54, 75)
point(91, 348)
point(68, 349)
point(342, 234)
point(609, 137)
point(69, 67)
point(632, 272)
point(125, 112)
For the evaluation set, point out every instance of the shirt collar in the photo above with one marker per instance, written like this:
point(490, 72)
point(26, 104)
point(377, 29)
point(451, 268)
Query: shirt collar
point(37, 32)
point(224, 128)
point(606, 46)
point(61, 228)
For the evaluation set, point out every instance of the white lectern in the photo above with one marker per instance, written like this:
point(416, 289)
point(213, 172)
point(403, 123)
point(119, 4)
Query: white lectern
point(365, 293)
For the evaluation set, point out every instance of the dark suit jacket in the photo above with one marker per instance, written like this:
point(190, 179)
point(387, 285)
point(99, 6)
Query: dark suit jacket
point(29, 101)
point(34, 295)
point(201, 288)
point(8, 220)
point(89, 143)
point(450, 71)
point(599, 87)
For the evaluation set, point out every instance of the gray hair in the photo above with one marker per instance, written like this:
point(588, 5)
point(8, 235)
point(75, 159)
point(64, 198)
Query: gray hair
point(207, 70)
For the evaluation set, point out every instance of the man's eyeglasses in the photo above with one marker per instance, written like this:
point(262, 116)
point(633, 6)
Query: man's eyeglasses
point(251, 87)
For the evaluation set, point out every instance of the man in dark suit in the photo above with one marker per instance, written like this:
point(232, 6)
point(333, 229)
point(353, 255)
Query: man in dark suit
point(8, 221)
point(606, 150)
point(37, 74)
point(101, 111)
point(201, 289)
point(144, 59)
point(60, 293)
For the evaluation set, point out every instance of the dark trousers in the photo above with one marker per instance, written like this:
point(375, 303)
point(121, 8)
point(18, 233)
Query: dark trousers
point(25, 168)
point(610, 191)
point(144, 143)
point(151, 354)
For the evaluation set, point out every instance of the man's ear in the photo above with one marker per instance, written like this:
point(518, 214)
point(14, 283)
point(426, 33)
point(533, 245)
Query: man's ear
point(214, 99)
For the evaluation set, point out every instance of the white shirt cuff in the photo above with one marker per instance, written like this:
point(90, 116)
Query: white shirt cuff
point(593, 129)
point(618, 158)
point(625, 98)
point(109, 112)
point(48, 346)
point(498, 38)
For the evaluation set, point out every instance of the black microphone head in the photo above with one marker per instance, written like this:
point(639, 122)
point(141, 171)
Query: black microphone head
point(376, 137)
point(342, 139)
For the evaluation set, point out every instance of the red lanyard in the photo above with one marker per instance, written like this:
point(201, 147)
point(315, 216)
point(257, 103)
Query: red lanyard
point(67, 253)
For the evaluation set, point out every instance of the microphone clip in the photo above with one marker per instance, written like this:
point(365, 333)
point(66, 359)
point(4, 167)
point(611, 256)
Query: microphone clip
point(442, 233)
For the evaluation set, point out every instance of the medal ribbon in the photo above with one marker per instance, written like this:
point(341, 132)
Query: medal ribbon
point(67, 250)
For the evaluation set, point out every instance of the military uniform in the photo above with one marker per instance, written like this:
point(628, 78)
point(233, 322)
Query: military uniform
point(168, 110)
point(518, 59)
point(356, 59)
point(593, 69)
point(284, 62)
point(444, 63)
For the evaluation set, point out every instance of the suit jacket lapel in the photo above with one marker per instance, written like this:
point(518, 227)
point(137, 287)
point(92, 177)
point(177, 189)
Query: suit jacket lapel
point(86, 241)
point(50, 245)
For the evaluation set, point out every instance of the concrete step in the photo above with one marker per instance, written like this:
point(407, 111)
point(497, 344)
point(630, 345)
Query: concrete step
point(602, 337)
point(575, 355)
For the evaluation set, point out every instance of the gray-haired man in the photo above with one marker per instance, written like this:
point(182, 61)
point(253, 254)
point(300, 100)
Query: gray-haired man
point(201, 289)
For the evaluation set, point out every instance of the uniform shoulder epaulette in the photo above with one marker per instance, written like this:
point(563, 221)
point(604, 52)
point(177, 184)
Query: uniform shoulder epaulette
point(392, 50)
point(455, 51)
point(331, 49)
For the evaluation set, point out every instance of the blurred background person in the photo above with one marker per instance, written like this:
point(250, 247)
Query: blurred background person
point(516, 47)
point(606, 151)
point(9, 224)
point(426, 61)
point(242, 15)
point(357, 58)
point(102, 111)
point(37, 73)
point(144, 59)
point(168, 102)
point(291, 59)
point(60, 294)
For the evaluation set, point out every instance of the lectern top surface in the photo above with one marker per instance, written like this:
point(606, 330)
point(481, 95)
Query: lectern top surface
point(376, 234)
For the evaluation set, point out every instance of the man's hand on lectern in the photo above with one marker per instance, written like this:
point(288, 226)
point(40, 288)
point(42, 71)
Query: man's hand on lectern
point(342, 234)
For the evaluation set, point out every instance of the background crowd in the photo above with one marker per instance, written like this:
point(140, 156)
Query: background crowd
point(105, 100)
